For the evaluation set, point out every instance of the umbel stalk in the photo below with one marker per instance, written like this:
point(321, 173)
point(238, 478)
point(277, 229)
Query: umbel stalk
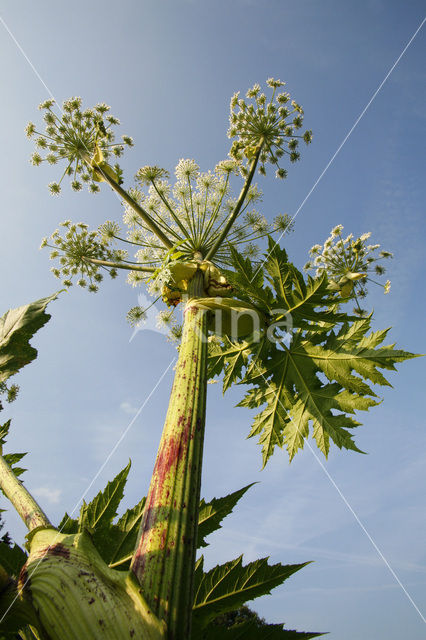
point(164, 557)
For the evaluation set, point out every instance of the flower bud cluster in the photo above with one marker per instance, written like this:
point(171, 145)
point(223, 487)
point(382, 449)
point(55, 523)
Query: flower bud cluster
point(75, 137)
point(267, 128)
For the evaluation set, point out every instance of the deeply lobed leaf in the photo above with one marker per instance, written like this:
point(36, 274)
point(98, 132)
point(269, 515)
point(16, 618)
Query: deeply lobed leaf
point(228, 586)
point(318, 376)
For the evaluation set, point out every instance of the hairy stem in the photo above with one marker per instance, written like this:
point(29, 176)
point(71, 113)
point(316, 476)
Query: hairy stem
point(164, 558)
point(30, 512)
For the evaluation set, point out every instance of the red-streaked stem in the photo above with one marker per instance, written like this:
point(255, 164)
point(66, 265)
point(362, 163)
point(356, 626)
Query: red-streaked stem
point(164, 558)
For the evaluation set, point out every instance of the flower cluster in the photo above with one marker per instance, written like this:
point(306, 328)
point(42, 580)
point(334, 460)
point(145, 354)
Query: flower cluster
point(192, 213)
point(166, 319)
point(267, 130)
point(80, 253)
point(79, 137)
point(194, 218)
point(349, 263)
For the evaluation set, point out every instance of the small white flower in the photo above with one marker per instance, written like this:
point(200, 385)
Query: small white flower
point(135, 278)
point(226, 167)
point(337, 230)
point(315, 249)
point(165, 319)
point(186, 169)
point(154, 288)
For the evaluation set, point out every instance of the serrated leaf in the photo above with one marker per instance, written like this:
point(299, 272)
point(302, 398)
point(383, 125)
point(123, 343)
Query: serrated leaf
point(310, 305)
point(68, 524)
point(13, 459)
point(10, 458)
point(116, 542)
point(247, 280)
point(295, 396)
point(251, 631)
point(339, 357)
point(269, 424)
point(123, 537)
point(4, 432)
point(101, 511)
point(17, 327)
point(228, 586)
point(289, 382)
point(212, 513)
point(228, 357)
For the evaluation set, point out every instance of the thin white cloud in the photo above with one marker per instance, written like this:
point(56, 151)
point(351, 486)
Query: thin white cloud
point(127, 407)
point(51, 495)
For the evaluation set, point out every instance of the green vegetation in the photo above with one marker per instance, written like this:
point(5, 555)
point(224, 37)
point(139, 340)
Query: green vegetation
point(248, 315)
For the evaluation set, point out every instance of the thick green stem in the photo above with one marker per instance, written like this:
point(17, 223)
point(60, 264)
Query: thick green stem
point(164, 558)
point(30, 512)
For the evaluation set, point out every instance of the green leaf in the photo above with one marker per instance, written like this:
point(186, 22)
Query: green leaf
point(343, 354)
point(251, 631)
point(102, 510)
point(212, 513)
point(310, 305)
point(123, 535)
point(289, 382)
point(10, 458)
point(12, 559)
point(228, 586)
point(116, 542)
point(247, 280)
point(4, 432)
point(229, 357)
point(17, 327)
point(14, 613)
point(68, 524)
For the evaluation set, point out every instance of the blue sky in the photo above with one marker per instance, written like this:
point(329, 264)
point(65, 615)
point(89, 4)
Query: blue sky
point(168, 69)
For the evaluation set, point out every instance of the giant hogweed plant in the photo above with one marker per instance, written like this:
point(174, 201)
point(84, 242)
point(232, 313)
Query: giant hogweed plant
point(194, 245)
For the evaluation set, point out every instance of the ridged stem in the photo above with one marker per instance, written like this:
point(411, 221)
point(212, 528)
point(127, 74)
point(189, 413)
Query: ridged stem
point(30, 512)
point(164, 557)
